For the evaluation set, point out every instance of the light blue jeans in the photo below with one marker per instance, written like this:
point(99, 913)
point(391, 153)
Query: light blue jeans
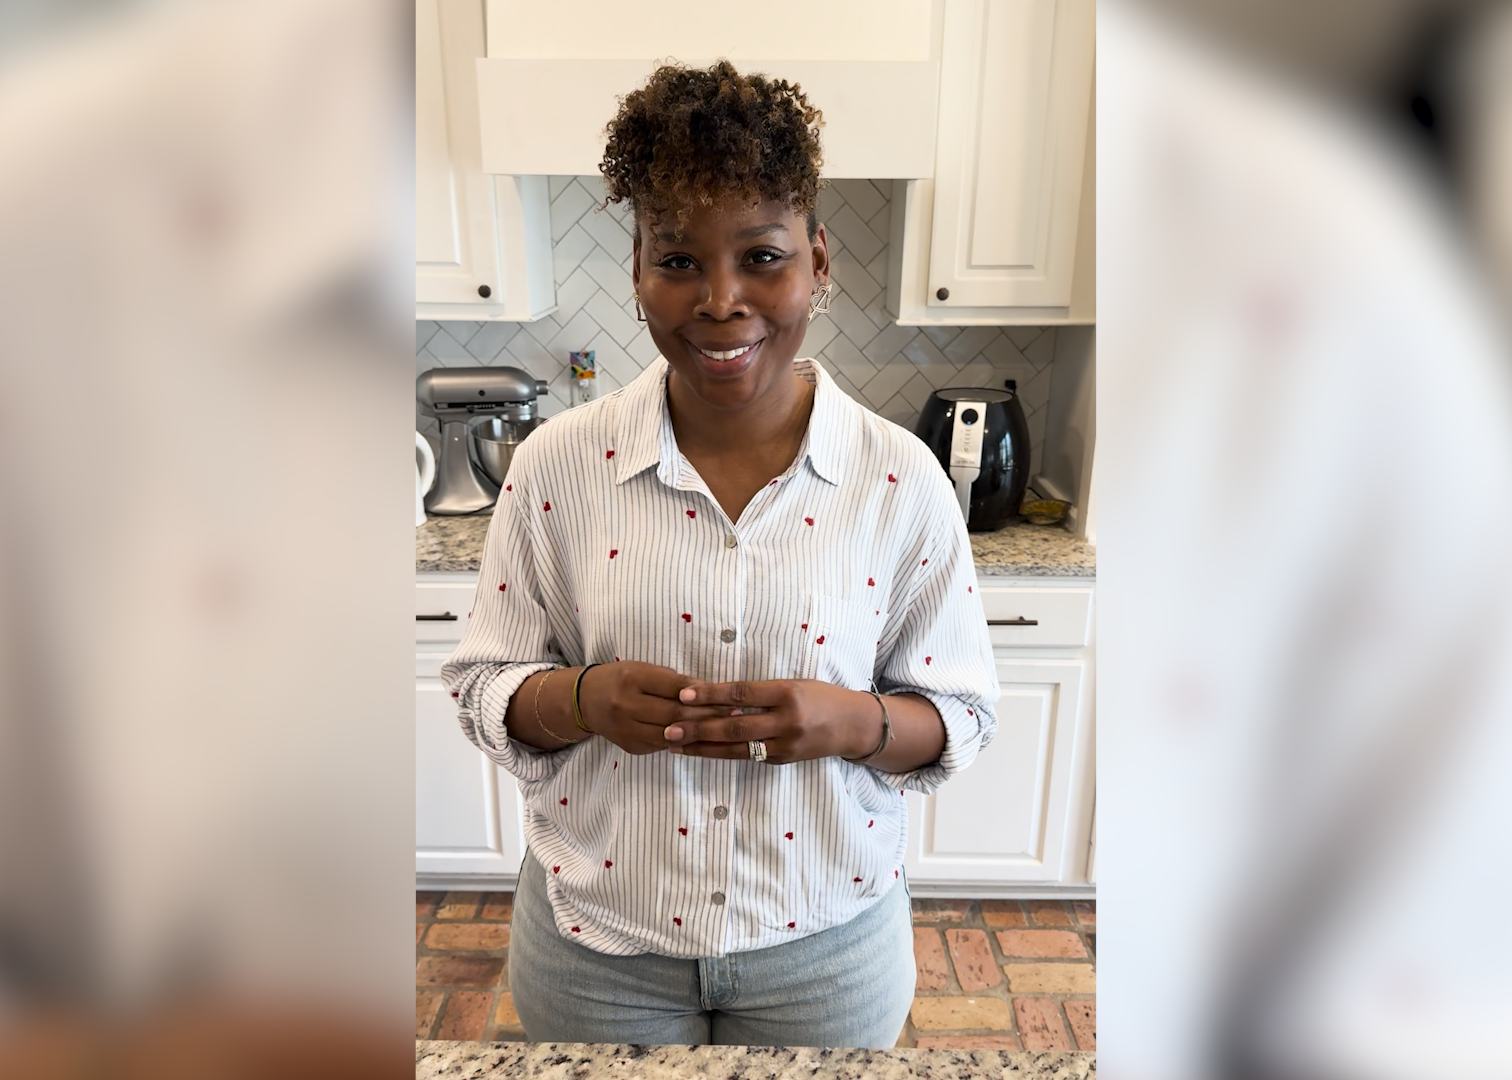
point(848, 986)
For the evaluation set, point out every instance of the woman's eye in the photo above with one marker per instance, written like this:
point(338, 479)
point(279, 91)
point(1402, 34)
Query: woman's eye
point(676, 262)
point(762, 258)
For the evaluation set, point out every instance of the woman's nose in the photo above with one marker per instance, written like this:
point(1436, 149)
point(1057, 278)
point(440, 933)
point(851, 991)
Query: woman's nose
point(720, 297)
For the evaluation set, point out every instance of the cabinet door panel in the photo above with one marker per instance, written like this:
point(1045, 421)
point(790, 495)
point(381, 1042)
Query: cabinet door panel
point(1015, 93)
point(1005, 818)
point(456, 226)
point(458, 825)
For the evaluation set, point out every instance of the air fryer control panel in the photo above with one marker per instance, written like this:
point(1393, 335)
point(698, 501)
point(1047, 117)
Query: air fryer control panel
point(966, 435)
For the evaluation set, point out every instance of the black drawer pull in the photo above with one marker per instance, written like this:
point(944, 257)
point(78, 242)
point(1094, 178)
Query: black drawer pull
point(1020, 621)
point(447, 617)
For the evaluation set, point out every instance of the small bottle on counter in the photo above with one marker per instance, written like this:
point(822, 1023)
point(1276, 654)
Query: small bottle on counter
point(583, 376)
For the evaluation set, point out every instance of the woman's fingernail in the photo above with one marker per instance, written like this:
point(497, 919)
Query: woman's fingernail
point(674, 733)
point(687, 695)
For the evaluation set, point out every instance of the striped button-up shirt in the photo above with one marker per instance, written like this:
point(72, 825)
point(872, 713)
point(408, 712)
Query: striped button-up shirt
point(852, 567)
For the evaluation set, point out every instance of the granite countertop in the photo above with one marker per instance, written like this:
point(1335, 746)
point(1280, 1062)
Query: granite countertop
point(456, 544)
point(467, 1060)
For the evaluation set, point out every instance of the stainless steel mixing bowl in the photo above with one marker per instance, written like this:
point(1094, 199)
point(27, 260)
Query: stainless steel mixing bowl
point(495, 438)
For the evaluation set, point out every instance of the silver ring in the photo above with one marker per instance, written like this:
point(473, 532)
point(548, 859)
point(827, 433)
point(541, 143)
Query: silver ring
point(758, 750)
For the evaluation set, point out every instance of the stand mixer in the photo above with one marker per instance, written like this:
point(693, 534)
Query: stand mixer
point(455, 397)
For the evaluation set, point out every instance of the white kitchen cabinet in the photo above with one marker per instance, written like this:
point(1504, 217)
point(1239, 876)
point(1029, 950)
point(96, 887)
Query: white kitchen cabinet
point(482, 243)
point(1003, 232)
point(468, 812)
point(1019, 820)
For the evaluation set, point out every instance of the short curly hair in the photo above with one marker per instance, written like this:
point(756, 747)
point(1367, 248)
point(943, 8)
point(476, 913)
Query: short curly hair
point(691, 137)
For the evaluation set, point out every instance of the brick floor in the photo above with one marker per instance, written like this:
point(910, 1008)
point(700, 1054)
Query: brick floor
point(992, 974)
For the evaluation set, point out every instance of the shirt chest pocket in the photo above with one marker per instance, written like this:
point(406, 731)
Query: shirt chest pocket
point(840, 645)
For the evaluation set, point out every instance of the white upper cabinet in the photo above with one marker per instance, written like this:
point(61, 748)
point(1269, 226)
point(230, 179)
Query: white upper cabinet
point(482, 243)
point(1017, 83)
point(1003, 232)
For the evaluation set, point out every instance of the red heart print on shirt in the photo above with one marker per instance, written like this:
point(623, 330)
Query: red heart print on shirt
point(556, 869)
point(546, 507)
point(891, 479)
point(613, 552)
point(607, 864)
point(692, 513)
point(927, 659)
point(455, 694)
point(969, 712)
point(686, 617)
point(819, 640)
point(788, 835)
point(855, 879)
point(608, 454)
point(970, 589)
point(503, 586)
point(808, 521)
point(804, 626)
point(791, 925)
point(871, 581)
point(564, 800)
point(577, 929)
point(870, 823)
point(676, 920)
point(616, 764)
point(508, 487)
point(924, 563)
point(683, 829)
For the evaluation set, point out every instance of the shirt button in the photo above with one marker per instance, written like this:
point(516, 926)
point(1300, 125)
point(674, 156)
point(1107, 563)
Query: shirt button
point(721, 813)
point(727, 636)
point(730, 540)
point(718, 898)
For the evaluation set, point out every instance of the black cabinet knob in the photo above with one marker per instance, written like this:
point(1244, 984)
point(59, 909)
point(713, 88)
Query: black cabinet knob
point(942, 294)
point(484, 291)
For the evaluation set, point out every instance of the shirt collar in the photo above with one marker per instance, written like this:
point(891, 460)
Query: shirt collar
point(644, 437)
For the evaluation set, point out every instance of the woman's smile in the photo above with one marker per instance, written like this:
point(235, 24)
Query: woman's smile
point(726, 362)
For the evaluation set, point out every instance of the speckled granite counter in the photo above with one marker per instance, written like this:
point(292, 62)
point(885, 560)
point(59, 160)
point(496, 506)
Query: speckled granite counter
point(468, 1060)
point(456, 544)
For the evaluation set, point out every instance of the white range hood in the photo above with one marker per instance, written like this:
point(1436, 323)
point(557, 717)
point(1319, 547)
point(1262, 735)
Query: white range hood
point(553, 74)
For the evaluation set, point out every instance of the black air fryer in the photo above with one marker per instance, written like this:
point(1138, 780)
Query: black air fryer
point(981, 440)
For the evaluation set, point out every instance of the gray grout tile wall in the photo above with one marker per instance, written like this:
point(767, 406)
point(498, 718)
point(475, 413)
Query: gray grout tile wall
point(890, 369)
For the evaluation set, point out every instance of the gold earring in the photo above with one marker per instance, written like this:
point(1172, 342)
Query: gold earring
point(819, 303)
point(639, 315)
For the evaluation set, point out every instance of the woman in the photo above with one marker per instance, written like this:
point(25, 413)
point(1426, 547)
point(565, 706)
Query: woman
point(688, 589)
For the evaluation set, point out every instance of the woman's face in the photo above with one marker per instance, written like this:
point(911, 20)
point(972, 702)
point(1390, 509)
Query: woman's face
point(736, 284)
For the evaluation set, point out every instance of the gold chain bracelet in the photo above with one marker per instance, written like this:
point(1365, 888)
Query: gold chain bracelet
point(542, 723)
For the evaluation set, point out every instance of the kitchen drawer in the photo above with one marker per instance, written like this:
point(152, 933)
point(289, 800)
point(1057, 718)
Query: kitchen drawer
point(441, 610)
point(429, 658)
point(1050, 618)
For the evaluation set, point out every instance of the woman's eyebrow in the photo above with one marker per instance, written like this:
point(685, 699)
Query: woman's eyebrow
point(744, 234)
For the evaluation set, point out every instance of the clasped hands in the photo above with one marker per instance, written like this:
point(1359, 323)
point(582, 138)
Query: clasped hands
point(643, 708)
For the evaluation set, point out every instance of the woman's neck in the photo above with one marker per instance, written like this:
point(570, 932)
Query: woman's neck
point(772, 425)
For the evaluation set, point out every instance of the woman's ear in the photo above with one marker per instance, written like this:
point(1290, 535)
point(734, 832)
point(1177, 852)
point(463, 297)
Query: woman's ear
point(821, 258)
point(635, 250)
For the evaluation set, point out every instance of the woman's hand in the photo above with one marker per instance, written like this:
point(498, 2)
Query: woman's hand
point(631, 703)
point(799, 719)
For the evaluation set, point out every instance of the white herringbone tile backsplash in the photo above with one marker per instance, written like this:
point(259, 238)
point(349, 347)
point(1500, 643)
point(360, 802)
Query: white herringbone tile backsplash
point(891, 369)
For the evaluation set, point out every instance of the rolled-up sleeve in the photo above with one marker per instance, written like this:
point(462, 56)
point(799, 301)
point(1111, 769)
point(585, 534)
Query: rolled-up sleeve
point(507, 640)
point(943, 652)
